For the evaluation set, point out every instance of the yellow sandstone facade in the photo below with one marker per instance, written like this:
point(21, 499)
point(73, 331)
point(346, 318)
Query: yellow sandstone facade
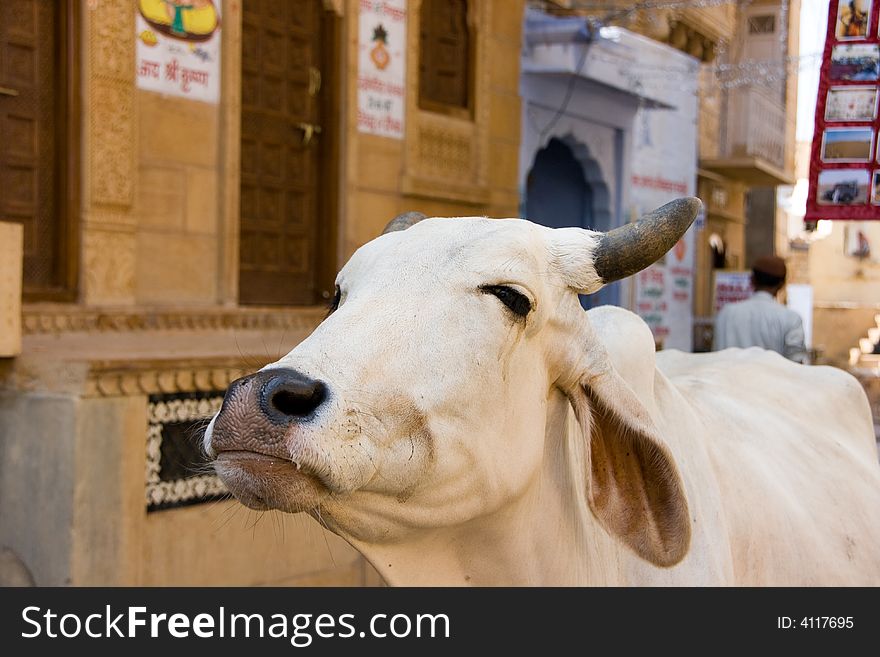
point(153, 327)
point(162, 291)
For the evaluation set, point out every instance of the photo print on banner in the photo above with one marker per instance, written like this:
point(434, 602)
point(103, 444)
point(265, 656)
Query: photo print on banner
point(851, 104)
point(845, 155)
point(853, 17)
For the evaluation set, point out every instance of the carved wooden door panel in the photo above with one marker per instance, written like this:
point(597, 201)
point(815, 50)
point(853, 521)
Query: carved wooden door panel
point(280, 151)
point(32, 139)
point(444, 55)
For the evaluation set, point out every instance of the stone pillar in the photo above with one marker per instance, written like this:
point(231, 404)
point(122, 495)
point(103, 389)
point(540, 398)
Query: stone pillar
point(109, 145)
point(71, 486)
point(11, 244)
point(37, 482)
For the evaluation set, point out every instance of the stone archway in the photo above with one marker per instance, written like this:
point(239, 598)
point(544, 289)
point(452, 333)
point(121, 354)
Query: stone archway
point(565, 187)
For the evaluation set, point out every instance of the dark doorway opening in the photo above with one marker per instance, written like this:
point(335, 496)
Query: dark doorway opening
point(39, 124)
point(288, 153)
point(565, 188)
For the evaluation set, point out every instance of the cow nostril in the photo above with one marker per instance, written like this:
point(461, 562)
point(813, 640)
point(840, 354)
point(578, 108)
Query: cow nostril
point(287, 395)
point(299, 402)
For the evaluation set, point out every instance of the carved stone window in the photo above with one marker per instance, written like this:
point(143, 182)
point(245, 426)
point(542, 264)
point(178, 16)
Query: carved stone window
point(178, 473)
point(445, 57)
point(762, 24)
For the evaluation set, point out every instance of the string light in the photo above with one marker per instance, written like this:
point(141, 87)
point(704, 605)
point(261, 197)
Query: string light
point(725, 75)
point(655, 4)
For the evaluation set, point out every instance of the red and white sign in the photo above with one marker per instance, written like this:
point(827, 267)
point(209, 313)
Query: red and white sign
point(651, 303)
point(178, 48)
point(381, 77)
point(730, 286)
point(845, 155)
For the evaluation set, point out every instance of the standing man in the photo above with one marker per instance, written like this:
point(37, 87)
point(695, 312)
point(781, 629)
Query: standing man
point(761, 321)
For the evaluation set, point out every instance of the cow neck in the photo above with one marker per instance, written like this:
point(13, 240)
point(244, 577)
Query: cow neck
point(546, 537)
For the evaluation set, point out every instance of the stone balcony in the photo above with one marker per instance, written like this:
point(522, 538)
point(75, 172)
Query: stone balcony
point(751, 139)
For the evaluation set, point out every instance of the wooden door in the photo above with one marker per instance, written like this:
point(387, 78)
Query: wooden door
point(34, 181)
point(445, 57)
point(282, 151)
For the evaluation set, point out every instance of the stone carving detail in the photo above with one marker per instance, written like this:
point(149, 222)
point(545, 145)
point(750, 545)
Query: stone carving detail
point(112, 143)
point(111, 219)
point(111, 111)
point(176, 473)
point(108, 240)
point(109, 266)
point(444, 153)
point(174, 378)
point(36, 320)
point(112, 39)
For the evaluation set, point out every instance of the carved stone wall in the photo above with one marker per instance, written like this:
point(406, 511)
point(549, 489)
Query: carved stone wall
point(163, 377)
point(110, 144)
point(110, 134)
point(57, 319)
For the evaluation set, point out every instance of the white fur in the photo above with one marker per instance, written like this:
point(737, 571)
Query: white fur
point(452, 456)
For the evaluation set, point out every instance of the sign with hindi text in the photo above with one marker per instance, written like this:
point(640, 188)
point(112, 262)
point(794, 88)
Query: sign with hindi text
point(178, 48)
point(730, 286)
point(662, 171)
point(381, 80)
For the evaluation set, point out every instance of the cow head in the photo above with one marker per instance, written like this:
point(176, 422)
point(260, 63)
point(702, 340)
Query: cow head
point(426, 396)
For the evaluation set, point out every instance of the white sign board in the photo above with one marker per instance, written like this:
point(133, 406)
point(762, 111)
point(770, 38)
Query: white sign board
point(651, 304)
point(730, 286)
point(381, 80)
point(664, 168)
point(799, 298)
point(178, 48)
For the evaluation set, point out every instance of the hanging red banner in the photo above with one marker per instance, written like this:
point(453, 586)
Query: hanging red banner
point(845, 157)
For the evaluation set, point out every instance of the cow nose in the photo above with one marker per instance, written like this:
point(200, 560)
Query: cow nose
point(288, 395)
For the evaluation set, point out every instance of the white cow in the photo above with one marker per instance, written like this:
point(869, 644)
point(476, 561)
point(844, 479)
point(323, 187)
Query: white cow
point(460, 420)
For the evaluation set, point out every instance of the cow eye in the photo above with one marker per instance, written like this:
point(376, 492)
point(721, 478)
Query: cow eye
point(334, 302)
point(516, 301)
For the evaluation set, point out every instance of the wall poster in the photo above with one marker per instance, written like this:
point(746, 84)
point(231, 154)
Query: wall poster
point(381, 80)
point(178, 48)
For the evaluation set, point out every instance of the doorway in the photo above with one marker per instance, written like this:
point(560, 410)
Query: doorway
point(287, 200)
point(565, 188)
point(38, 119)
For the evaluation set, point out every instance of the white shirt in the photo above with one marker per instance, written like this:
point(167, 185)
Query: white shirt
point(761, 322)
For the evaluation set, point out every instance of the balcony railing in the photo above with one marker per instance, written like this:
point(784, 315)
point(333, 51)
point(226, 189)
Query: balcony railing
point(755, 126)
point(751, 144)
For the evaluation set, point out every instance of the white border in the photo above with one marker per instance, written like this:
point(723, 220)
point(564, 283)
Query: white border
point(848, 160)
point(852, 88)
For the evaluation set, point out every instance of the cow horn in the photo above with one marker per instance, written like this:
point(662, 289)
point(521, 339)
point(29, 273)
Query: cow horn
point(403, 221)
point(629, 249)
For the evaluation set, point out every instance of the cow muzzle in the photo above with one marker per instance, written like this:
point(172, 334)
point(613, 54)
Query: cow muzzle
point(257, 438)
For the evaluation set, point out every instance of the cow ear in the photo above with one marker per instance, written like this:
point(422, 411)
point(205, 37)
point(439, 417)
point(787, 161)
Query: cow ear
point(633, 485)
